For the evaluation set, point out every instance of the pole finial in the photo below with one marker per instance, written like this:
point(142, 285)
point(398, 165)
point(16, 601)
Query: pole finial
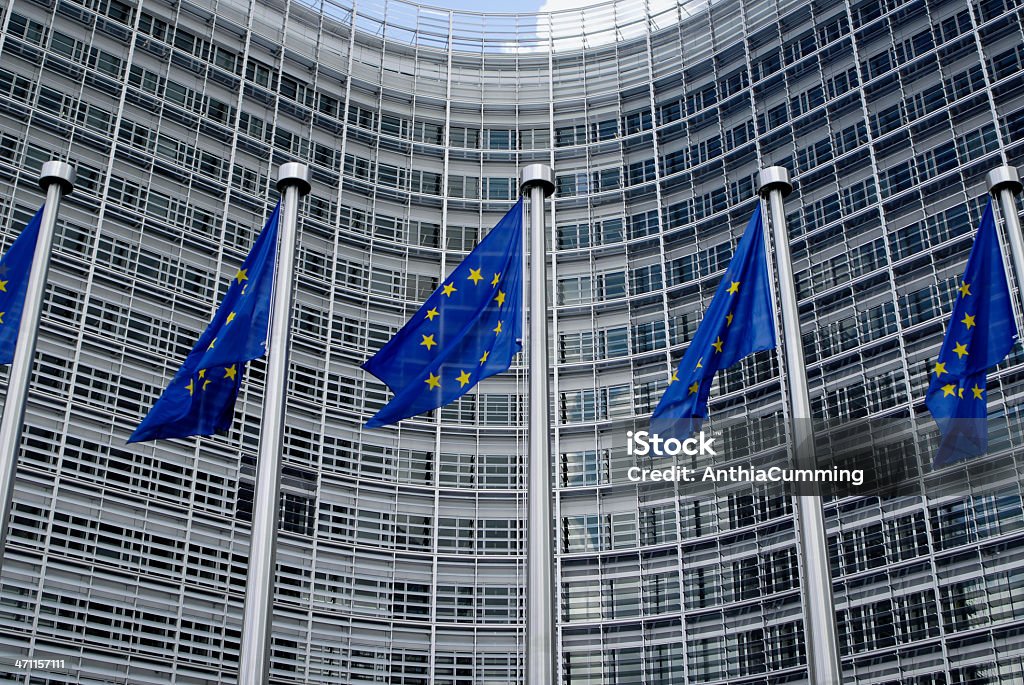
point(59, 172)
point(294, 173)
point(537, 175)
point(774, 178)
point(1004, 177)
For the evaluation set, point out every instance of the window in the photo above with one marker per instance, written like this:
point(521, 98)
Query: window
point(799, 47)
point(577, 183)
point(584, 533)
point(22, 27)
point(292, 89)
point(584, 468)
point(636, 121)
point(611, 285)
point(645, 279)
point(499, 139)
point(462, 136)
point(649, 336)
point(604, 130)
point(570, 135)
point(643, 224)
point(640, 172)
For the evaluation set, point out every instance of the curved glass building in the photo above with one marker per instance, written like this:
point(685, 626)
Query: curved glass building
point(401, 550)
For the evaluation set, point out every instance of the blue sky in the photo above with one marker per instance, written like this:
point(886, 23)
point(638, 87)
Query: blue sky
point(489, 6)
point(509, 5)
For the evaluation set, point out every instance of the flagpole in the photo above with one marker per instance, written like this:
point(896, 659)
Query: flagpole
point(1004, 183)
point(539, 181)
point(254, 653)
point(816, 586)
point(57, 179)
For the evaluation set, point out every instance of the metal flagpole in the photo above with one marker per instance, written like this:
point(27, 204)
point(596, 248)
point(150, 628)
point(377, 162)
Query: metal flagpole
point(254, 654)
point(819, 611)
point(57, 179)
point(539, 181)
point(1004, 183)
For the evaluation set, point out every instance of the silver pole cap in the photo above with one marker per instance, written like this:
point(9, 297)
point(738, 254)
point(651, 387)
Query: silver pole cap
point(775, 178)
point(57, 172)
point(1004, 177)
point(537, 174)
point(294, 173)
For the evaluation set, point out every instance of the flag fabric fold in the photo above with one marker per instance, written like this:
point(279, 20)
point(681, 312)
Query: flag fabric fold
point(981, 332)
point(738, 322)
point(469, 329)
point(200, 399)
point(15, 269)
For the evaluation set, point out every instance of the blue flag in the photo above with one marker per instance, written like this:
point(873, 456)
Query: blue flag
point(739, 321)
point(981, 332)
point(468, 329)
point(200, 399)
point(15, 267)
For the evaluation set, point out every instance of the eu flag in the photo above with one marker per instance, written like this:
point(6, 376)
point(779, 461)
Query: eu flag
point(468, 329)
point(15, 267)
point(738, 322)
point(200, 399)
point(981, 333)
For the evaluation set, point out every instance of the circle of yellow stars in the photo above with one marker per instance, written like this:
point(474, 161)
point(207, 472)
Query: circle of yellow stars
point(961, 351)
point(429, 340)
point(718, 345)
point(230, 372)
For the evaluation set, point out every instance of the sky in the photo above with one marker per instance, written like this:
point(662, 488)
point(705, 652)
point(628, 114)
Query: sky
point(511, 5)
point(571, 29)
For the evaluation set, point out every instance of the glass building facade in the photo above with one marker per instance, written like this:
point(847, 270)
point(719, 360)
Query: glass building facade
point(401, 551)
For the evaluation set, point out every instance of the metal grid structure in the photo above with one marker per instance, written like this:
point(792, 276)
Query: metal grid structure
point(401, 551)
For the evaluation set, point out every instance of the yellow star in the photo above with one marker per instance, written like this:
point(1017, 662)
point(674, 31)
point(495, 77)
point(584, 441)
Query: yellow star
point(3, 286)
point(673, 378)
point(449, 289)
point(205, 383)
point(428, 341)
point(977, 391)
point(968, 321)
point(230, 372)
point(463, 379)
point(484, 356)
point(694, 388)
point(718, 344)
point(202, 373)
point(948, 390)
point(431, 313)
point(190, 387)
point(960, 393)
point(433, 381)
point(699, 365)
point(961, 350)
point(734, 287)
point(241, 276)
point(500, 299)
point(474, 275)
point(212, 343)
point(965, 289)
point(940, 368)
point(494, 281)
point(2, 316)
point(231, 317)
point(728, 319)
point(497, 329)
